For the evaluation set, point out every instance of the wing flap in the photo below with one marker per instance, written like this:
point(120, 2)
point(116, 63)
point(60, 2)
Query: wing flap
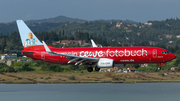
point(72, 58)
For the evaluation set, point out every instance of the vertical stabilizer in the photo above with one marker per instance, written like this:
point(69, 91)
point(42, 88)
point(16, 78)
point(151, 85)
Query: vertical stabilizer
point(27, 36)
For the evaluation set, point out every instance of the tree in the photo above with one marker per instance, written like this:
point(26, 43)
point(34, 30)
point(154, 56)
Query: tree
point(63, 33)
point(26, 67)
point(176, 48)
point(10, 69)
point(2, 65)
point(136, 66)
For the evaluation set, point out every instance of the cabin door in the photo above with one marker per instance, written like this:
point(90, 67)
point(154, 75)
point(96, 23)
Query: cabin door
point(42, 55)
point(154, 53)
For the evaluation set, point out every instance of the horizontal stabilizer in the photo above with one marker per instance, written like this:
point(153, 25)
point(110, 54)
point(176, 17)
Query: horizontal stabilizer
point(20, 51)
point(46, 47)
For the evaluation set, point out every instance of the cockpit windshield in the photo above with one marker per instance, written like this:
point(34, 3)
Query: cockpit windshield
point(165, 52)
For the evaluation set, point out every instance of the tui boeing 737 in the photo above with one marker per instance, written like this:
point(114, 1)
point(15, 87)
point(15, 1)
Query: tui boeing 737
point(102, 57)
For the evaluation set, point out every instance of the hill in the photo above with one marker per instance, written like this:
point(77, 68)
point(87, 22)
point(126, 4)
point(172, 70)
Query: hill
point(154, 32)
point(46, 24)
point(62, 19)
point(39, 25)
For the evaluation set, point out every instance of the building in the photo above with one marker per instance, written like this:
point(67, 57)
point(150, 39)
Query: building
point(138, 34)
point(103, 70)
point(114, 69)
point(152, 42)
point(134, 25)
point(124, 70)
point(131, 69)
point(145, 65)
point(65, 42)
point(118, 25)
point(55, 42)
point(128, 30)
point(8, 56)
point(168, 36)
point(174, 68)
point(178, 36)
point(108, 69)
point(10, 62)
point(149, 24)
point(171, 41)
point(72, 42)
point(21, 60)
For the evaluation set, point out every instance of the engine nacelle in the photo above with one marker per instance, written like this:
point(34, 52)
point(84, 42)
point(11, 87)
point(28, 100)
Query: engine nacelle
point(105, 63)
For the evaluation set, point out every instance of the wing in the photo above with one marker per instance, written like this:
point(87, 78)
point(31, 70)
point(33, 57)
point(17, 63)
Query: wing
point(73, 58)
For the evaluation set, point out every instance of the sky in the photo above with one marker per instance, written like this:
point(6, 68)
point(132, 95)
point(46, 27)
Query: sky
point(136, 10)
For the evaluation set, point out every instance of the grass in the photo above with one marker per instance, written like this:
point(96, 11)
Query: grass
point(86, 77)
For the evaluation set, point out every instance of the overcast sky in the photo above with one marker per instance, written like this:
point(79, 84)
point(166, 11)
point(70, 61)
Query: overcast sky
point(136, 10)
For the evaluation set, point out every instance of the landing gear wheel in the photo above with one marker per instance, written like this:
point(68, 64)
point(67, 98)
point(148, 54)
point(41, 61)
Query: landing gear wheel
point(97, 69)
point(89, 69)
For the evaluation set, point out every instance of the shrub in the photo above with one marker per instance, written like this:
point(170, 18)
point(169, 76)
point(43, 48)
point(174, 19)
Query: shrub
point(10, 69)
point(72, 77)
point(147, 69)
point(161, 74)
point(17, 64)
point(26, 67)
point(47, 78)
point(51, 67)
point(2, 65)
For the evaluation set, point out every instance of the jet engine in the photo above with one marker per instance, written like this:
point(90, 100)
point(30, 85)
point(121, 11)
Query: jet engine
point(105, 63)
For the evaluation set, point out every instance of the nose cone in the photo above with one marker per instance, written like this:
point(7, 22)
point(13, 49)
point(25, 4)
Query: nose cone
point(172, 56)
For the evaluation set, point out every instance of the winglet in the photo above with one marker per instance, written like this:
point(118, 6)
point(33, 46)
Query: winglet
point(93, 43)
point(46, 47)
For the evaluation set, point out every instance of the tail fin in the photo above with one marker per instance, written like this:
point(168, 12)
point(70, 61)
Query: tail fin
point(27, 36)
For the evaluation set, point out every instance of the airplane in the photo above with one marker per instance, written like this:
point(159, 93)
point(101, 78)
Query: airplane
point(102, 57)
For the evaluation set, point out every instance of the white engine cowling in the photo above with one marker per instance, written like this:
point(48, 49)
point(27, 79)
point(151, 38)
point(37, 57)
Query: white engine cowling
point(105, 63)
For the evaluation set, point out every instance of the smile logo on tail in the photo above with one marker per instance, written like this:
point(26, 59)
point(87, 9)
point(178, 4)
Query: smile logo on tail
point(30, 41)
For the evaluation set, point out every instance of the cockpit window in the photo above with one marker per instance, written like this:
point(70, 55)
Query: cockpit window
point(165, 52)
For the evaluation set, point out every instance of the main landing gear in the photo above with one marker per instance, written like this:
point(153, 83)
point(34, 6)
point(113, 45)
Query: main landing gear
point(97, 69)
point(90, 69)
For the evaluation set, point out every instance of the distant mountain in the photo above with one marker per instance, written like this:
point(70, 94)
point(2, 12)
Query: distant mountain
point(127, 21)
point(46, 24)
point(130, 21)
point(62, 19)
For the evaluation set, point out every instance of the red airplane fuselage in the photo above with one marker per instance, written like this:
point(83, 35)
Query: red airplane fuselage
point(120, 55)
